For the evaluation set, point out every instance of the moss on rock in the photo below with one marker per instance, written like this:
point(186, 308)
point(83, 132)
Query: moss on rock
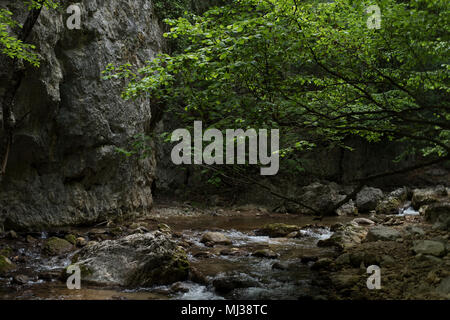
point(5, 265)
point(56, 246)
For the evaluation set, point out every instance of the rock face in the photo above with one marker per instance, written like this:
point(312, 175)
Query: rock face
point(383, 234)
point(368, 198)
point(63, 167)
point(138, 260)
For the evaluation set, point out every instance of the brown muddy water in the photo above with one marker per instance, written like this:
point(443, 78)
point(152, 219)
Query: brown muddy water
point(252, 277)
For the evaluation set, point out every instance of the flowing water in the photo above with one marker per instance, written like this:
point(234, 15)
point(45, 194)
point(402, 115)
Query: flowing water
point(251, 277)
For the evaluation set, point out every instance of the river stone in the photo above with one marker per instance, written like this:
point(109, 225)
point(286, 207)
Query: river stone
point(345, 236)
point(277, 230)
point(444, 286)
point(382, 233)
point(342, 281)
point(56, 246)
point(363, 222)
point(427, 196)
point(348, 209)
point(5, 265)
point(138, 260)
point(227, 284)
point(265, 253)
point(438, 214)
point(393, 202)
point(215, 238)
point(429, 247)
point(368, 198)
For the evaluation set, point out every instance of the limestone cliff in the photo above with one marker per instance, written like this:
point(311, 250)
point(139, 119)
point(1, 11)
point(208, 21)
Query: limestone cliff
point(63, 168)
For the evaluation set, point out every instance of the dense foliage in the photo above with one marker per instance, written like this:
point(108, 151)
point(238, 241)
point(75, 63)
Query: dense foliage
point(313, 69)
point(10, 45)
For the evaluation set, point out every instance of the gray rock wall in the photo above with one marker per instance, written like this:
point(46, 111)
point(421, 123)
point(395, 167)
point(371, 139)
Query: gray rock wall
point(63, 168)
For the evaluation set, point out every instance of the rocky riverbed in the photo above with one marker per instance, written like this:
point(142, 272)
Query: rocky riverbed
point(184, 252)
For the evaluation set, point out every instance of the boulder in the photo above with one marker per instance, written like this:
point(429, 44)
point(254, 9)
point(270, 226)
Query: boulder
point(392, 202)
point(56, 246)
point(348, 209)
point(227, 284)
point(215, 238)
point(438, 214)
point(323, 197)
point(368, 198)
point(265, 253)
point(5, 265)
point(429, 247)
point(345, 236)
point(427, 196)
point(138, 260)
point(383, 234)
point(277, 230)
point(444, 286)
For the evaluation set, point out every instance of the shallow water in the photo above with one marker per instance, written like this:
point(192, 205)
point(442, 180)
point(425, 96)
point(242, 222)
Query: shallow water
point(261, 280)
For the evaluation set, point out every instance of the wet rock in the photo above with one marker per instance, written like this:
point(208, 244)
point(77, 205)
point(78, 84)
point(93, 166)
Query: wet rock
point(363, 258)
point(368, 198)
point(215, 238)
point(228, 284)
point(429, 247)
point(138, 260)
point(232, 252)
point(382, 233)
point(343, 259)
point(393, 202)
point(415, 230)
point(30, 239)
point(21, 279)
point(265, 253)
point(308, 259)
point(56, 246)
point(203, 255)
point(387, 261)
point(12, 235)
point(343, 281)
point(5, 265)
point(81, 242)
point(322, 197)
point(196, 276)
point(444, 286)
point(280, 266)
point(71, 238)
point(164, 228)
point(428, 259)
point(179, 287)
point(6, 251)
point(323, 263)
point(348, 209)
point(344, 237)
point(363, 222)
point(438, 214)
point(277, 230)
point(428, 196)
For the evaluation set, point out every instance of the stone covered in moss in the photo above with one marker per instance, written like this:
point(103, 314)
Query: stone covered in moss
point(6, 265)
point(56, 246)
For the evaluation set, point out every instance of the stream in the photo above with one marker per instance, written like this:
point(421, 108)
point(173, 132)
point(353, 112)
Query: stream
point(232, 272)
